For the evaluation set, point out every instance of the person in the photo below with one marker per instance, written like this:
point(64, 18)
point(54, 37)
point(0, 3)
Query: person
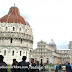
point(68, 68)
point(37, 66)
point(2, 63)
point(33, 65)
point(60, 68)
point(23, 64)
point(64, 68)
point(15, 63)
point(43, 67)
point(57, 68)
point(71, 67)
point(51, 67)
point(32, 62)
point(47, 67)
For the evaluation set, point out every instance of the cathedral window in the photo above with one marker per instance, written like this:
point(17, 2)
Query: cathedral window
point(20, 29)
point(47, 61)
point(30, 50)
point(11, 40)
point(13, 53)
point(5, 52)
point(26, 53)
point(6, 28)
point(13, 28)
point(21, 41)
point(20, 53)
point(26, 30)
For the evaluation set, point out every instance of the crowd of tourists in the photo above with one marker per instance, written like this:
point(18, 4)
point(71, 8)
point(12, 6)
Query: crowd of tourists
point(66, 67)
point(33, 66)
point(22, 66)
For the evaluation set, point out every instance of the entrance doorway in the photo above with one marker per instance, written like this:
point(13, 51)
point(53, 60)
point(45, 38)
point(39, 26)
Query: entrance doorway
point(41, 61)
point(47, 62)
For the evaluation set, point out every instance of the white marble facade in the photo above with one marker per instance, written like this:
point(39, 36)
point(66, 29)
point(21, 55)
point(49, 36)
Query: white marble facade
point(16, 40)
point(47, 53)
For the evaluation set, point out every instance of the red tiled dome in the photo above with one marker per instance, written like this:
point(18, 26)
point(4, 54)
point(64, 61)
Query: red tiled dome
point(13, 16)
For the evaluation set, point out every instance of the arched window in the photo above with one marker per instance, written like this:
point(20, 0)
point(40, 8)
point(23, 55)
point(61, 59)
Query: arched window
point(20, 53)
point(26, 30)
point(11, 40)
point(5, 52)
point(26, 53)
point(13, 28)
point(41, 61)
point(30, 50)
point(13, 53)
point(21, 41)
point(6, 28)
point(47, 60)
point(20, 29)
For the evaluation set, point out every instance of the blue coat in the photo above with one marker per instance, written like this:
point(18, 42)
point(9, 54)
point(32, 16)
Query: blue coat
point(57, 67)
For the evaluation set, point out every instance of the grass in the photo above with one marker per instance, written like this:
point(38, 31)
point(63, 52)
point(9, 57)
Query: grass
point(9, 70)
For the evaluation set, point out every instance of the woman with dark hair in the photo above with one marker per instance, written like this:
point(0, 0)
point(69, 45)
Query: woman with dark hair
point(15, 63)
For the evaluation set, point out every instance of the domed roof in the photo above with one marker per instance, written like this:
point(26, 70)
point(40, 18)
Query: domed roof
point(13, 16)
point(52, 42)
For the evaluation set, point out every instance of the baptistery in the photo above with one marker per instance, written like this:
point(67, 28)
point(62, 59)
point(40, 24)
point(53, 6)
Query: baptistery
point(16, 39)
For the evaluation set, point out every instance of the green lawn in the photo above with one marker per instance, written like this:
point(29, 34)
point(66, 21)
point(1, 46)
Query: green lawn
point(9, 69)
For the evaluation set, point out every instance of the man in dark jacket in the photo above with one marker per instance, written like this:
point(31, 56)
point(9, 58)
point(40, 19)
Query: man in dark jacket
point(68, 68)
point(2, 64)
point(60, 68)
point(32, 62)
point(24, 65)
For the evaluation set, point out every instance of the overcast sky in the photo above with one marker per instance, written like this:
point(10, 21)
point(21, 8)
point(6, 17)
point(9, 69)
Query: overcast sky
point(49, 19)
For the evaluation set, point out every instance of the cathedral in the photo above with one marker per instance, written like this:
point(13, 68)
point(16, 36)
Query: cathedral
point(48, 53)
point(16, 40)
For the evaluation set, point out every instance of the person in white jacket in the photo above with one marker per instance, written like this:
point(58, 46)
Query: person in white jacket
point(64, 68)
